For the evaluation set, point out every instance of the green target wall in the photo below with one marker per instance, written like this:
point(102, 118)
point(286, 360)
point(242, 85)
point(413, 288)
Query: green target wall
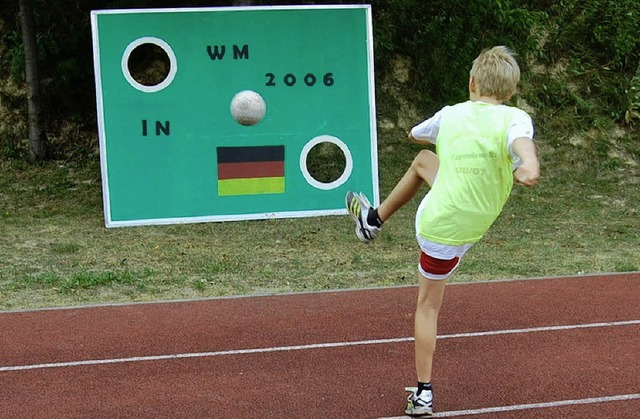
point(171, 151)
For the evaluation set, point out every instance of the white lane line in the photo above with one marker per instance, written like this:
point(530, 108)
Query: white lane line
point(500, 409)
point(310, 346)
point(540, 329)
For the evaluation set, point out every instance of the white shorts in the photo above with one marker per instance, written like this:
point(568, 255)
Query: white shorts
point(437, 261)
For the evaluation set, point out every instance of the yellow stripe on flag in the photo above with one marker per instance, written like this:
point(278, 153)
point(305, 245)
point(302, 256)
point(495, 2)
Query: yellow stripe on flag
point(251, 186)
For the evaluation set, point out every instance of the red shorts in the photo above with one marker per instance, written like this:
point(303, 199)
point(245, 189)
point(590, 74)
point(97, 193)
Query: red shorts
point(434, 268)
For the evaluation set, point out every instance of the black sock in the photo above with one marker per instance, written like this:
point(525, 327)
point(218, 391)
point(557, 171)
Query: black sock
point(423, 386)
point(373, 219)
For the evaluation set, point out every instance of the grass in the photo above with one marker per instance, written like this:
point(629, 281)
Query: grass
point(55, 251)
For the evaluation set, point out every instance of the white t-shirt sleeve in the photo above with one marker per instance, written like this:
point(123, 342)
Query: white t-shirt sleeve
point(428, 130)
point(521, 126)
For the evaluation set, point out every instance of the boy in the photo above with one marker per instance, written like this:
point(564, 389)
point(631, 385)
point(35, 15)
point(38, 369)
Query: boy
point(482, 147)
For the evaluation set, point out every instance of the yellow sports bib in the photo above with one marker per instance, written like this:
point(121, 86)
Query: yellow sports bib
point(474, 178)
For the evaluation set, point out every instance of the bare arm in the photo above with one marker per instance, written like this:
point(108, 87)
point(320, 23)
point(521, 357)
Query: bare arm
point(529, 171)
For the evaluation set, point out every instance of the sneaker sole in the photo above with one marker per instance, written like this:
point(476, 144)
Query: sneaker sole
point(358, 232)
point(413, 413)
point(357, 221)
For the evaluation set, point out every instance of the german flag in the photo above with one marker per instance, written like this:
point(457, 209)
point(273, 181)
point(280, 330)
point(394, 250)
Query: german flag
point(250, 170)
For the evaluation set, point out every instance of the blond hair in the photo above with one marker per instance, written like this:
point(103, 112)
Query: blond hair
point(496, 73)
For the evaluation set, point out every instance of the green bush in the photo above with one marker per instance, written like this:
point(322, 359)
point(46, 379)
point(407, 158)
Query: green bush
point(579, 58)
point(599, 44)
point(442, 38)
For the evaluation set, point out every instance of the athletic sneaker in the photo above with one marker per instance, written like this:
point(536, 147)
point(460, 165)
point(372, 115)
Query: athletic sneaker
point(421, 405)
point(359, 207)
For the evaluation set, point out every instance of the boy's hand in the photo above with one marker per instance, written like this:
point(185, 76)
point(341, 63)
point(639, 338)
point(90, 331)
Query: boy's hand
point(527, 174)
point(529, 171)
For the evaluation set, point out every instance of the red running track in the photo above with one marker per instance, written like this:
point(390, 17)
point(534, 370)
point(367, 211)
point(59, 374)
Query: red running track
point(344, 354)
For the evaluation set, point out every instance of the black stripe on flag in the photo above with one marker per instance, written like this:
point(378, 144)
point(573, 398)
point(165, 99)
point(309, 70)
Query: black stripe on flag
point(250, 154)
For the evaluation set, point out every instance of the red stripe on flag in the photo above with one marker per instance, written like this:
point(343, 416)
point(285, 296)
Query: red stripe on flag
point(250, 170)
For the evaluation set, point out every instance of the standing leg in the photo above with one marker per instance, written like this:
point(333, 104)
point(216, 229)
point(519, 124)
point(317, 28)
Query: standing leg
point(430, 295)
point(433, 277)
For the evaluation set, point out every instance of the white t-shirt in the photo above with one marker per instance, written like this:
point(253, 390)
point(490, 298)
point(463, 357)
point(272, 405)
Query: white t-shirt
point(521, 126)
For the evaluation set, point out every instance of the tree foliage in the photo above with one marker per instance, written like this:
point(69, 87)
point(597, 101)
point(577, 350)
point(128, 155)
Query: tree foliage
point(578, 54)
point(37, 134)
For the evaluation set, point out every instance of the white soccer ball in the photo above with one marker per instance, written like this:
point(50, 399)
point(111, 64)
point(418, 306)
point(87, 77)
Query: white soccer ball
point(248, 107)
